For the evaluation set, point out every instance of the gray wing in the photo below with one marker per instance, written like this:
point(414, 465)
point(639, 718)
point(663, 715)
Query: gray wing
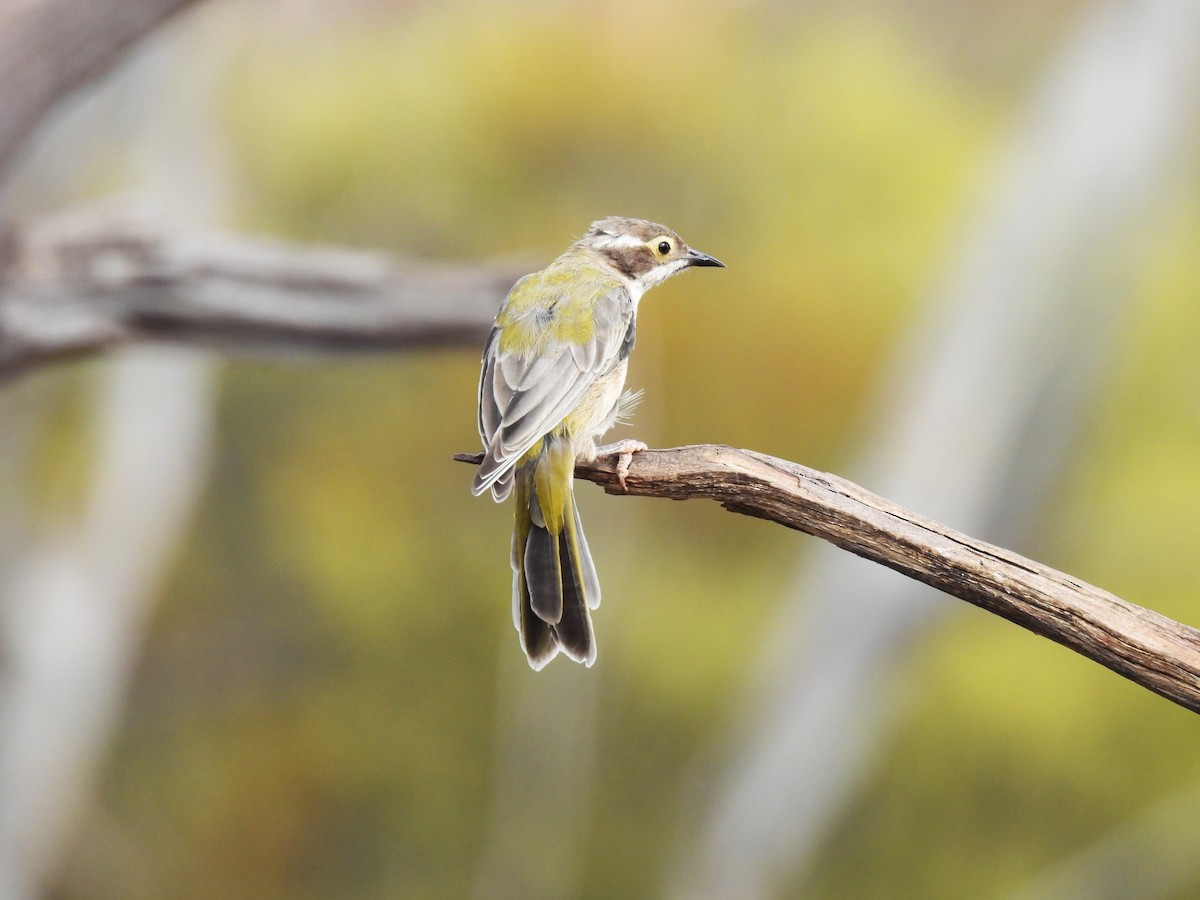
point(523, 397)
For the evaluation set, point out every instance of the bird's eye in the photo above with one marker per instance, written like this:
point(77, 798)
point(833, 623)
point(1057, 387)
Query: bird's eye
point(664, 247)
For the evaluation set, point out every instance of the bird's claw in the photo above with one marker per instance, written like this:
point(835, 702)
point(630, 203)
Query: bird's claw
point(623, 451)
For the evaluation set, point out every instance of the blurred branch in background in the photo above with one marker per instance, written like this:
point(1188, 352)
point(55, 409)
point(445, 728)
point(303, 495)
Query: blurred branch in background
point(49, 48)
point(74, 606)
point(1026, 320)
point(976, 417)
point(102, 278)
point(74, 603)
point(1148, 649)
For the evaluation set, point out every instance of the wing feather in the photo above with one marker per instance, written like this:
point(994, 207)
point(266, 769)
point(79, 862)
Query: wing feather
point(522, 397)
point(534, 372)
point(535, 395)
point(489, 403)
point(584, 355)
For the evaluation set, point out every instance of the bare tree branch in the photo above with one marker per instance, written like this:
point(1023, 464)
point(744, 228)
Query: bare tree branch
point(1147, 648)
point(1029, 310)
point(48, 48)
point(100, 279)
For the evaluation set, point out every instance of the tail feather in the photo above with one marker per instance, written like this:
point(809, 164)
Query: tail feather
point(554, 578)
point(544, 573)
point(537, 636)
point(587, 569)
point(537, 639)
point(574, 628)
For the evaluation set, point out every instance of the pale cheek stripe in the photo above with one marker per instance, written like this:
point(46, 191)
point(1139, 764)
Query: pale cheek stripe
point(622, 242)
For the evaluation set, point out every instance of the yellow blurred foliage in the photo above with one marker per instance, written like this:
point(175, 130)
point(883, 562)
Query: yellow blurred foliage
point(315, 712)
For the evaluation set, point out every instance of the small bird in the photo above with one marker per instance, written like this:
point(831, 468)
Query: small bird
point(551, 384)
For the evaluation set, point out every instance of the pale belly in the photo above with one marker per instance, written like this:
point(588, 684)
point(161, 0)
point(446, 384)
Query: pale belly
point(596, 411)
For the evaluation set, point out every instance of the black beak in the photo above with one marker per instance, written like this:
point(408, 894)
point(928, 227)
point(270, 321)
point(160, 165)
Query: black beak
point(696, 258)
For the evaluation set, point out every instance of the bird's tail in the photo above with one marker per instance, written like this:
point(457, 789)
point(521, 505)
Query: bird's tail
point(554, 579)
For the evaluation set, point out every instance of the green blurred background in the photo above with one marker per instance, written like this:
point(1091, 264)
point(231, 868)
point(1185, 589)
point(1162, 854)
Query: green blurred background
point(331, 665)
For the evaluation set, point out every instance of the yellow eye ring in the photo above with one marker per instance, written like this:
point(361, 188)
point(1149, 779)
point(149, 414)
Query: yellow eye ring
point(664, 248)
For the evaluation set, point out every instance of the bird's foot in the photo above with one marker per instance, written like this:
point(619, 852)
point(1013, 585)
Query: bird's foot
point(623, 451)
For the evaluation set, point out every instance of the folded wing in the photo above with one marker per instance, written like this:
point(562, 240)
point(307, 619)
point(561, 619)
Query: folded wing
point(524, 395)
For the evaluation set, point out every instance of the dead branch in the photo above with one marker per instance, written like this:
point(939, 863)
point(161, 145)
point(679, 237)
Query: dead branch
point(104, 278)
point(1145, 647)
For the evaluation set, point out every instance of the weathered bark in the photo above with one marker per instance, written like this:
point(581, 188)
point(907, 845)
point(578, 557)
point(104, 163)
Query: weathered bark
point(1147, 648)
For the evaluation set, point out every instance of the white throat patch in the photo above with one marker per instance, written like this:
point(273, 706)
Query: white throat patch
point(661, 273)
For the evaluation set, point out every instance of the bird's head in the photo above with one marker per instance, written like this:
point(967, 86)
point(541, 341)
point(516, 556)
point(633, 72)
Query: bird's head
point(643, 251)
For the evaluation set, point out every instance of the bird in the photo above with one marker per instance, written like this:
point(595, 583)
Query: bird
point(551, 383)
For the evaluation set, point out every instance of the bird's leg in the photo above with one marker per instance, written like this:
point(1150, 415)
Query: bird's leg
point(624, 451)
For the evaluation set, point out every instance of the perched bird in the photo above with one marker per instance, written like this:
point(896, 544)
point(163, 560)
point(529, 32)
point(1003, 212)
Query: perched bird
point(551, 384)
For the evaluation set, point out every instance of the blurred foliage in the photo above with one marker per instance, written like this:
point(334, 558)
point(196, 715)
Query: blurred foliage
point(315, 713)
point(826, 163)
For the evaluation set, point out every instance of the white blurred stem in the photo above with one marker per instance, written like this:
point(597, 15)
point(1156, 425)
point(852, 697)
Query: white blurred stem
point(1024, 317)
point(74, 614)
point(545, 746)
point(1155, 854)
point(75, 606)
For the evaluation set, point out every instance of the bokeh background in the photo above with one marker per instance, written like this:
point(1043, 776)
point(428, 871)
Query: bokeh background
point(963, 248)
